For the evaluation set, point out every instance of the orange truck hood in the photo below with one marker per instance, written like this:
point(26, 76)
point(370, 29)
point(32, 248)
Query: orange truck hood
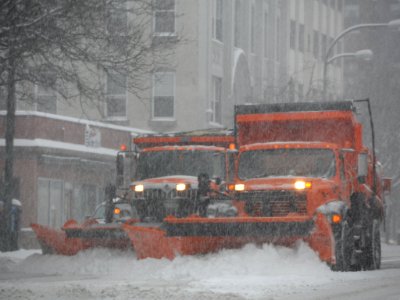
point(167, 181)
point(284, 183)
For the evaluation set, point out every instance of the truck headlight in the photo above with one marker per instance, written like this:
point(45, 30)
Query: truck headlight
point(180, 187)
point(302, 185)
point(138, 188)
point(239, 187)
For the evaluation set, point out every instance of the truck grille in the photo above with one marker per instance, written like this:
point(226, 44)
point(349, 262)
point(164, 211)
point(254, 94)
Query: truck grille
point(161, 203)
point(273, 203)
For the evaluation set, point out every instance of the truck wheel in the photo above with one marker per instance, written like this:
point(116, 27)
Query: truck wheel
point(373, 248)
point(45, 248)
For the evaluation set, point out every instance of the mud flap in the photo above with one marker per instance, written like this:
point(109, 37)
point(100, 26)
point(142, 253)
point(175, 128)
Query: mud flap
point(322, 240)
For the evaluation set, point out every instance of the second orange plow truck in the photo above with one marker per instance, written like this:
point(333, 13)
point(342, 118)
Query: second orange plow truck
point(301, 172)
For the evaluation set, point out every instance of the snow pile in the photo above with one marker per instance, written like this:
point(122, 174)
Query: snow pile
point(251, 270)
point(248, 273)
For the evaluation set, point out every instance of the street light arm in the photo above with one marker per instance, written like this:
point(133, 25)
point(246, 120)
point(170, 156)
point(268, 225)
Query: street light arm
point(339, 56)
point(346, 31)
point(364, 54)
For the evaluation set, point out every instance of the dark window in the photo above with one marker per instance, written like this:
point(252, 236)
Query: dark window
point(292, 34)
point(164, 17)
point(216, 102)
point(3, 99)
point(340, 5)
point(265, 34)
point(46, 100)
point(301, 37)
point(218, 21)
point(253, 30)
point(323, 46)
point(278, 38)
point(316, 44)
point(116, 95)
point(238, 23)
point(164, 95)
point(118, 20)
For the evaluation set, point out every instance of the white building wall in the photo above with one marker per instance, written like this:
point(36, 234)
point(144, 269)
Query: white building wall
point(201, 57)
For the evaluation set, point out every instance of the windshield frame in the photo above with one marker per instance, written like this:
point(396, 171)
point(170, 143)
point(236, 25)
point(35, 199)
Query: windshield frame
point(201, 166)
point(331, 168)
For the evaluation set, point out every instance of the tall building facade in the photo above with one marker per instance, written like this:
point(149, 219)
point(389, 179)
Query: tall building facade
point(233, 52)
point(228, 52)
point(378, 80)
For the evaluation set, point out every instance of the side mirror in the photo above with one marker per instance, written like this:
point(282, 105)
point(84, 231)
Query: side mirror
point(362, 167)
point(387, 185)
point(232, 154)
point(120, 169)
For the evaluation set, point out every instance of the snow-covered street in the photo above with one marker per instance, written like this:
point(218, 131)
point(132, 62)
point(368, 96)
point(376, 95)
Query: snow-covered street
point(249, 273)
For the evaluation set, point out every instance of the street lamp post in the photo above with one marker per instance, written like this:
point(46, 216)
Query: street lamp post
point(394, 24)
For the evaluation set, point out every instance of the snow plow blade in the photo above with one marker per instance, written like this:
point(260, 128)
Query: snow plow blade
point(55, 241)
point(196, 235)
point(74, 237)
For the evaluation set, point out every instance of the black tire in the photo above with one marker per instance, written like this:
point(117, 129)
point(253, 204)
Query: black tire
point(46, 250)
point(373, 251)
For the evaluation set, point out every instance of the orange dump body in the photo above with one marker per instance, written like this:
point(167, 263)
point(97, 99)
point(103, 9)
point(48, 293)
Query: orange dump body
point(299, 122)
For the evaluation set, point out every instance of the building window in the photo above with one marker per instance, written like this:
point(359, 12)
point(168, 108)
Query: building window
point(164, 17)
point(50, 209)
point(340, 5)
point(3, 99)
point(238, 23)
point(265, 34)
point(118, 19)
point(218, 20)
point(316, 44)
point(301, 37)
point(253, 29)
point(278, 38)
point(324, 45)
point(116, 95)
point(216, 116)
point(300, 91)
point(292, 34)
point(46, 100)
point(164, 95)
point(88, 200)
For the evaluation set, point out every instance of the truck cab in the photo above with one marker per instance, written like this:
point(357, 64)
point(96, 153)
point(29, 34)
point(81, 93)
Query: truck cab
point(179, 174)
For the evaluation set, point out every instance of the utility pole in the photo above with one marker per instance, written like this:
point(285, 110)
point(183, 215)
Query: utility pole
point(9, 134)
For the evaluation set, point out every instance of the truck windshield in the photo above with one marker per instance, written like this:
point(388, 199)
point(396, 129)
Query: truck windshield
point(286, 163)
point(183, 162)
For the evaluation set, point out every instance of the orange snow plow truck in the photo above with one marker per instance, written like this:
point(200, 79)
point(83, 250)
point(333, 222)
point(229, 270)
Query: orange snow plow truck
point(301, 173)
point(304, 173)
point(176, 177)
